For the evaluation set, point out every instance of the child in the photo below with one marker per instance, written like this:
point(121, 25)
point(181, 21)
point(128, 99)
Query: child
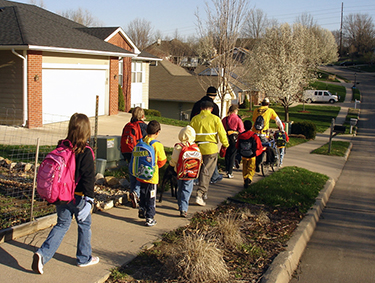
point(281, 138)
point(147, 201)
point(249, 163)
point(78, 135)
point(185, 187)
point(127, 145)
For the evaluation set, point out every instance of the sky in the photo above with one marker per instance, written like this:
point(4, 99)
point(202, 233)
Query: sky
point(167, 16)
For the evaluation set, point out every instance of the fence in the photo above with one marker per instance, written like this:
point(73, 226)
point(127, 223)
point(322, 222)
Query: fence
point(18, 147)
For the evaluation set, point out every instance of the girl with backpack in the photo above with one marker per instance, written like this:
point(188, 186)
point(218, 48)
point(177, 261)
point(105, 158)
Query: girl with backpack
point(80, 206)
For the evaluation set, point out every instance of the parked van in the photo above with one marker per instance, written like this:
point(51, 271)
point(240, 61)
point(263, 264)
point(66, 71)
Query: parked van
point(319, 96)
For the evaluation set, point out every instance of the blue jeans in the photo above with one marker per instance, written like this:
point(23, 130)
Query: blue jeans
point(216, 176)
point(147, 199)
point(135, 185)
point(282, 153)
point(65, 214)
point(185, 188)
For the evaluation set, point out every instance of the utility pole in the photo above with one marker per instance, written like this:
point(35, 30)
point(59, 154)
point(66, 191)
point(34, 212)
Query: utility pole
point(342, 13)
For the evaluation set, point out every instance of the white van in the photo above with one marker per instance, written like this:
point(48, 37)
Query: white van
point(319, 96)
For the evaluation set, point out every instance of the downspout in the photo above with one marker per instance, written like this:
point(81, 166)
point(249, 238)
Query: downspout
point(24, 86)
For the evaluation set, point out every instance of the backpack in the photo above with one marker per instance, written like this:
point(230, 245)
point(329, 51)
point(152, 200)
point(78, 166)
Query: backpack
point(131, 134)
point(280, 139)
point(248, 148)
point(259, 123)
point(56, 174)
point(189, 162)
point(142, 163)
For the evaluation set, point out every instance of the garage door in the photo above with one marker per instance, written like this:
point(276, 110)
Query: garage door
point(66, 91)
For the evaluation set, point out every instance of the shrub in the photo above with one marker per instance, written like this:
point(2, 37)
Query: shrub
point(121, 102)
point(152, 112)
point(245, 104)
point(306, 128)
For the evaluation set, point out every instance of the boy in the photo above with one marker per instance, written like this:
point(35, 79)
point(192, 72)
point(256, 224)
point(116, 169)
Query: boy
point(281, 138)
point(249, 162)
point(147, 201)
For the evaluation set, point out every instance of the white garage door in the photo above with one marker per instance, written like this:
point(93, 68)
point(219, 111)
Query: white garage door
point(66, 91)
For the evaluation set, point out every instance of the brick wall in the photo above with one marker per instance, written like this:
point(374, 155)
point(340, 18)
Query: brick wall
point(34, 89)
point(113, 86)
point(120, 41)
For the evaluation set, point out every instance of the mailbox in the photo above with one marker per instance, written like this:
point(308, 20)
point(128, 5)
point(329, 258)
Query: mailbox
point(353, 121)
point(339, 129)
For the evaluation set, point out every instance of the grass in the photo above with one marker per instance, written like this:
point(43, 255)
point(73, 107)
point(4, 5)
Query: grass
point(326, 76)
point(321, 116)
point(168, 121)
point(338, 148)
point(24, 153)
point(290, 187)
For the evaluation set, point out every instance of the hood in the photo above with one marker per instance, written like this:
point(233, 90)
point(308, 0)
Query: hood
point(187, 134)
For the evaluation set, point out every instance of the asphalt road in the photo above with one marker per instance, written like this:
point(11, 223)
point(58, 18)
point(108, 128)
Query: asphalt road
point(342, 248)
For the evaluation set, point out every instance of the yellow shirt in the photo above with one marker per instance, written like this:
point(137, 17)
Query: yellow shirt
point(160, 160)
point(208, 128)
point(267, 113)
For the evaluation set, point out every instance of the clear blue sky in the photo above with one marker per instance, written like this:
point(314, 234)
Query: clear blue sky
point(169, 15)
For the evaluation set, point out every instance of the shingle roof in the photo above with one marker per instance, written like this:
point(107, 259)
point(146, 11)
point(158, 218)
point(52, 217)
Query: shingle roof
point(27, 25)
point(99, 32)
point(170, 84)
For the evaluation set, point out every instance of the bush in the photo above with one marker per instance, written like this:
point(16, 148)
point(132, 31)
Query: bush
point(306, 128)
point(152, 112)
point(121, 102)
point(245, 104)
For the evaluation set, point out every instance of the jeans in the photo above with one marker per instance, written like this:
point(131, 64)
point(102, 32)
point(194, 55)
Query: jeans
point(185, 188)
point(216, 176)
point(282, 153)
point(135, 185)
point(147, 201)
point(65, 214)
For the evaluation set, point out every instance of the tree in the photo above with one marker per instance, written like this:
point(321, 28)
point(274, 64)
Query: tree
point(255, 24)
point(83, 17)
point(359, 32)
point(306, 20)
point(39, 3)
point(140, 31)
point(219, 34)
point(285, 60)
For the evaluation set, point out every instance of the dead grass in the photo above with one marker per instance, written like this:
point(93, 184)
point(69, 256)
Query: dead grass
point(228, 231)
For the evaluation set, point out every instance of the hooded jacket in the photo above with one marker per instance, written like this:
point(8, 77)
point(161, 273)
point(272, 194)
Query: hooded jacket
point(186, 135)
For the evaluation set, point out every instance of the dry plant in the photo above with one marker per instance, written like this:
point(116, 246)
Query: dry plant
point(197, 260)
point(262, 218)
point(228, 230)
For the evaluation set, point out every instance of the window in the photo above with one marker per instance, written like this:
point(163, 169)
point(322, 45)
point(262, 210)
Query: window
point(137, 72)
point(120, 72)
point(326, 93)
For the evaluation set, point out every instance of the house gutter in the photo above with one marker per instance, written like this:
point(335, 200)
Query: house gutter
point(24, 85)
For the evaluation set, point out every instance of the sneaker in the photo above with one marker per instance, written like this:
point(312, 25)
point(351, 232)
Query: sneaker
point(183, 213)
point(37, 264)
point(205, 196)
point(257, 169)
point(217, 180)
point(247, 183)
point(200, 201)
point(134, 199)
point(141, 214)
point(236, 164)
point(150, 222)
point(230, 176)
point(94, 260)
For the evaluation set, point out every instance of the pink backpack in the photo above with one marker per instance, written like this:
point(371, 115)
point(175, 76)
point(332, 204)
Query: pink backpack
point(56, 174)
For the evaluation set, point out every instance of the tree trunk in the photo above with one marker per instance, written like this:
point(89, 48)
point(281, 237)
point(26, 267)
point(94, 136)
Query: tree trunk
point(286, 114)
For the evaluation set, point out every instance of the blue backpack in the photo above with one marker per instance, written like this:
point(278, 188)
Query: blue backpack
point(142, 162)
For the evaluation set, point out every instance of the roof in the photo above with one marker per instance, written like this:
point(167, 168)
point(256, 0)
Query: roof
point(168, 83)
point(168, 48)
point(145, 56)
point(25, 26)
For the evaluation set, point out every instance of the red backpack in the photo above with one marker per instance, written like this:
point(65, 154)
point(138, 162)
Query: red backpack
point(189, 162)
point(131, 134)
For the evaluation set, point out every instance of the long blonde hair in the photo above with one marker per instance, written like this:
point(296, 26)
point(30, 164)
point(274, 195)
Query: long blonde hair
point(79, 131)
point(137, 114)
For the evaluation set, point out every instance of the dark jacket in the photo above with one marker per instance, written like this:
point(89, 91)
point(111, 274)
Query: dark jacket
point(197, 107)
point(85, 173)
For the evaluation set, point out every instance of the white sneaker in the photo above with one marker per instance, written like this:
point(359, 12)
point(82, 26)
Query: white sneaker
point(230, 176)
point(200, 201)
point(94, 260)
point(37, 264)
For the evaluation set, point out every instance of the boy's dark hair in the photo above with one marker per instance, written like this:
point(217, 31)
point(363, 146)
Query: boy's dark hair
point(205, 104)
point(248, 124)
point(153, 127)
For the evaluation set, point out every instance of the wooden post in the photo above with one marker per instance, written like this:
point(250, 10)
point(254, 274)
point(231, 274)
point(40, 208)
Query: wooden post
point(330, 136)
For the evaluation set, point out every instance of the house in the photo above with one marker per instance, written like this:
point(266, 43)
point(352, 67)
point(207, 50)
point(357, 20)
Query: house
point(52, 67)
point(173, 90)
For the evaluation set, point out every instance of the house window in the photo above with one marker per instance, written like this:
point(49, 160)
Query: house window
point(120, 72)
point(137, 72)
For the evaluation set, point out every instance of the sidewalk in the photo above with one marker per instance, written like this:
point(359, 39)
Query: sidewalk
point(118, 235)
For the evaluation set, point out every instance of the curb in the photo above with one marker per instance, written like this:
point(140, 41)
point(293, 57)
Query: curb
point(284, 265)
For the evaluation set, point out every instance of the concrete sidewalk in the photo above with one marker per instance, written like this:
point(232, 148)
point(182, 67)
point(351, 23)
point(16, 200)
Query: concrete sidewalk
point(118, 234)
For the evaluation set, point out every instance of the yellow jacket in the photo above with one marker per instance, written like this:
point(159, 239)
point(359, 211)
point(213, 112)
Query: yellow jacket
point(267, 113)
point(208, 128)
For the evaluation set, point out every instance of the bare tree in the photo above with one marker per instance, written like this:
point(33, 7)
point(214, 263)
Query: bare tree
point(140, 31)
point(359, 32)
point(219, 34)
point(255, 24)
point(39, 3)
point(83, 17)
point(306, 20)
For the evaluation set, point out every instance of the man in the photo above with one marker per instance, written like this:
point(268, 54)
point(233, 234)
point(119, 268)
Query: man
point(210, 96)
point(208, 128)
point(267, 114)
